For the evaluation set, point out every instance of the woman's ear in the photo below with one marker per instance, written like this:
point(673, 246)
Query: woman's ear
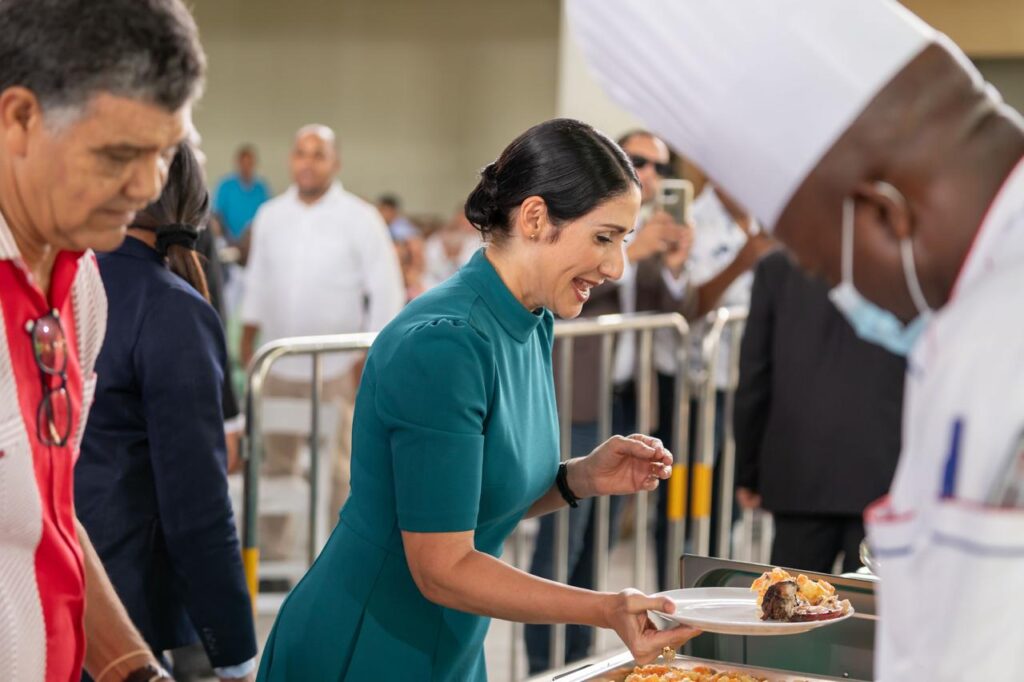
point(889, 212)
point(532, 219)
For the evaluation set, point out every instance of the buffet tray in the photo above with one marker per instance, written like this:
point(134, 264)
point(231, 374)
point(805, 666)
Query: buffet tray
point(616, 667)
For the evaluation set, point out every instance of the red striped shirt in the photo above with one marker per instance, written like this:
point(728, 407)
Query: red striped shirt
point(42, 581)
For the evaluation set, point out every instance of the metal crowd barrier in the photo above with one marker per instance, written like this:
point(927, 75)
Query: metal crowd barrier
point(726, 321)
point(252, 447)
point(757, 527)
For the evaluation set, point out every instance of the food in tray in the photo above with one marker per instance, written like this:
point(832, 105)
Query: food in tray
point(700, 673)
point(782, 597)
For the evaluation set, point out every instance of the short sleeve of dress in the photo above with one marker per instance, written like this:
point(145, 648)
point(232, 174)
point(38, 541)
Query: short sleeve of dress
point(433, 396)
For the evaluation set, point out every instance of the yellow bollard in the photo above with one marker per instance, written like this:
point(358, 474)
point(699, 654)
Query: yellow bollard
point(701, 508)
point(677, 493)
point(251, 563)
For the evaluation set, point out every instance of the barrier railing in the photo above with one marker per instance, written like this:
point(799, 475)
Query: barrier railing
point(259, 369)
point(757, 528)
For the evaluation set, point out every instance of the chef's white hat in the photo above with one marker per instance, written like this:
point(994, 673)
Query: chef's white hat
point(753, 91)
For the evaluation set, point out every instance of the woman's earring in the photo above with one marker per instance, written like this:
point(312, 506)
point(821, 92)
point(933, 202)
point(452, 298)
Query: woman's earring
point(533, 236)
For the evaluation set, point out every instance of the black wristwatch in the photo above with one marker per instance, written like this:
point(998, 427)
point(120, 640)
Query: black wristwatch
point(149, 673)
point(562, 481)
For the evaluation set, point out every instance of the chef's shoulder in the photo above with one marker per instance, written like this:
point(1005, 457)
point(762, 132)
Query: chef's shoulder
point(975, 355)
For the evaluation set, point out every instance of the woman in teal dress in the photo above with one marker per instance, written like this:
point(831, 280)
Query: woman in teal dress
point(455, 440)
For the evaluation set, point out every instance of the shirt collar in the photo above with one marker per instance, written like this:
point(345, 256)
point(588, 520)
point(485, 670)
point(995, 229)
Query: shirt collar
point(333, 192)
point(993, 244)
point(8, 247)
point(136, 248)
point(513, 316)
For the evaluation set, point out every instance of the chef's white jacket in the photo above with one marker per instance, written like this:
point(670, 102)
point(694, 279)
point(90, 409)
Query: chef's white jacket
point(951, 595)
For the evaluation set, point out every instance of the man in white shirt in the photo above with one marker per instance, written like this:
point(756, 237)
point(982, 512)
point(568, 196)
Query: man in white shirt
point(321, 263)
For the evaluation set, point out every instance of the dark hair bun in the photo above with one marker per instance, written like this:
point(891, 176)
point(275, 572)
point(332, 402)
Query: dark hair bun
point(482, 207)
point(565, 162)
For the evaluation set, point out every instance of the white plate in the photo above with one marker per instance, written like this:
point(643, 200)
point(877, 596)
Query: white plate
point(728, 611)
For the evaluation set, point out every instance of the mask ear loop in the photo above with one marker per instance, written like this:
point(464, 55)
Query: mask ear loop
point(907, 254)
point(910, 274)
point(847, 255)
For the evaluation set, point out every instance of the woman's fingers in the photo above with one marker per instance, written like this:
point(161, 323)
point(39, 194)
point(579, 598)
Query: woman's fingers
point(659, 470)
point(639, 603)
point(651, 642)
point(650, 448)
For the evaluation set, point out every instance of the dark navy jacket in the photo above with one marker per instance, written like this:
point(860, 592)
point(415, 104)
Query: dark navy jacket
point(150, 485)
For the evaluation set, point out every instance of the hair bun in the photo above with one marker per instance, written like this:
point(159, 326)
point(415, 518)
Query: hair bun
point(483, 209)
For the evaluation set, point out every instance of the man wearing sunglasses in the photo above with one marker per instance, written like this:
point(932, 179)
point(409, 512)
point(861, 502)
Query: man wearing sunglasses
point(94, 98)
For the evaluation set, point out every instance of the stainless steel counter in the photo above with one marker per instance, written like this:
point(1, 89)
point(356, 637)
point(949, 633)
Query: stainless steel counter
point(616, 667)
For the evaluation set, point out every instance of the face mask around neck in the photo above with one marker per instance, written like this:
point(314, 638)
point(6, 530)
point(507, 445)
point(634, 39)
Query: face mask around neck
point(870, 322)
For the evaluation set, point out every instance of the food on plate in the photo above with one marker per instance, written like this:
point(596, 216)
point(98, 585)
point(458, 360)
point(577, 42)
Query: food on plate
point(782, 597)
point(700, 673)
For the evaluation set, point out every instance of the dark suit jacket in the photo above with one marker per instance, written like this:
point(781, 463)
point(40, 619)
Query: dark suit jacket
point(817, 418)
point(150, 485)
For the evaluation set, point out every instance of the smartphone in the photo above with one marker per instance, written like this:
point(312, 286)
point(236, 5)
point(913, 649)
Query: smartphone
point(675, 197)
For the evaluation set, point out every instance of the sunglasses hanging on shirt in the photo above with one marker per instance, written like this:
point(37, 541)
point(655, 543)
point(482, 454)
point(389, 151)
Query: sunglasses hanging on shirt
point(49, 347)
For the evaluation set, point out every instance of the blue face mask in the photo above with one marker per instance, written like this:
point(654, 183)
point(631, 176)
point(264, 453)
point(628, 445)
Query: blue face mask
point(870, 322)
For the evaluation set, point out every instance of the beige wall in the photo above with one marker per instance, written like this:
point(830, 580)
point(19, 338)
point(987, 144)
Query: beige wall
point(579, 95)
point(421, 94)
point(983, 28)
point(1008, 77)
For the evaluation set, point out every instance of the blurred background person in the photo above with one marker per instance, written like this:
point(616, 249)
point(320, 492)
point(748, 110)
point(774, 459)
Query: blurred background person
point(321, 262)
point(239, 195)
point(408, 239)
point(449, 248)
point(817, 419)
point(150, 485)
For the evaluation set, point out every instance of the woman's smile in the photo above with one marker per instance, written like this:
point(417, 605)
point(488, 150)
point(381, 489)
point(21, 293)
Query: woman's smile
point(581, 287)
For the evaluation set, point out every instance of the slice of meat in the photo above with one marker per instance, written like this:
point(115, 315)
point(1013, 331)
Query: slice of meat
point(780, 601)
point(805, 613)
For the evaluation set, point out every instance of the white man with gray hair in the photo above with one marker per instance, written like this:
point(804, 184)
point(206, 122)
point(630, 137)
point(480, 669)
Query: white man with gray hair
point(94, 98)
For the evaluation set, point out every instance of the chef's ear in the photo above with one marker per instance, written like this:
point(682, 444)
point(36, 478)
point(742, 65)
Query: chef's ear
point(889, 211)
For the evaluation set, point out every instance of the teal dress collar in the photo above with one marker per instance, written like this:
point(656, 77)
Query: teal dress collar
point(513, 316)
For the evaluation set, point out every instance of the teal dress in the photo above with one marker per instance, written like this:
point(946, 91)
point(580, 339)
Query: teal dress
point(455, 430)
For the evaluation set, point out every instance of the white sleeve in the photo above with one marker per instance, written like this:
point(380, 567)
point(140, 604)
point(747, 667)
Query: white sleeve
point(382, 275)
point(256, 273)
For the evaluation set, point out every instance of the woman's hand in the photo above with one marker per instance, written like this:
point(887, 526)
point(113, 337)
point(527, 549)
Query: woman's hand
point(627, 615)
point(620, 466)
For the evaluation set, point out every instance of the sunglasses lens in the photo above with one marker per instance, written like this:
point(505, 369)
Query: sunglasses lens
point(54, 418)
point(50, 345)
point(664, 169)
point(638, 162)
